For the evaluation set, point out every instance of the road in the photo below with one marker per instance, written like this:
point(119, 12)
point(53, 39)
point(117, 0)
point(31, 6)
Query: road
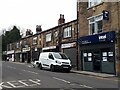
point(17, 75)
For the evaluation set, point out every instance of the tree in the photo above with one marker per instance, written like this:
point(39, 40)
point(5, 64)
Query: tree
point(10, 36)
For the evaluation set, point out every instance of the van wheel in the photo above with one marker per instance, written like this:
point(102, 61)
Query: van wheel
point(52, 68)
point(40, 66)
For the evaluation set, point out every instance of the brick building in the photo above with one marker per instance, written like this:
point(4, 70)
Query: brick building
point(99, 32)
point(61, 38)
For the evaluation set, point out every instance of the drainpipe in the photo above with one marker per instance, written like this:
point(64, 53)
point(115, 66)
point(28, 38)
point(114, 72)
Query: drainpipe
point(118, 40)
point(77, 47)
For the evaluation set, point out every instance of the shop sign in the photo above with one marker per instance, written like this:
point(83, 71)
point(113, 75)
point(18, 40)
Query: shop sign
point(26, 49)
point(68, 45)
point(10, 52)
point(47, 48)
point(103, 37)
point(18, 51)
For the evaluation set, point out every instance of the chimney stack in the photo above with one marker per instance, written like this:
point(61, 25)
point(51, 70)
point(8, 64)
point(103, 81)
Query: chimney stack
point(61, 19)
point(38, 28)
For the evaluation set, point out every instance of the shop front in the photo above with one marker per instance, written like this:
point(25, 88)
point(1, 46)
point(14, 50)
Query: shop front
point(17, 55)
point(35, 53)
point(70, 50)
point(10, 55)
point(26, 55)
point(98, 52)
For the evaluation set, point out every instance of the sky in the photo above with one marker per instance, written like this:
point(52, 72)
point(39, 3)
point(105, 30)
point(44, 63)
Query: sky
point(26, 14)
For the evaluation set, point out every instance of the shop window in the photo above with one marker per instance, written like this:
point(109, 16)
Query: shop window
point(67, 32)
point(107, 57)
point(87, 57)
point(95, 24)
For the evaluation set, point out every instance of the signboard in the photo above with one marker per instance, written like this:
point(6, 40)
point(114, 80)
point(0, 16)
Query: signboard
point(103, 37)
point(26, 49)
point(68, 45)
point(47, 48)
point(10, 52)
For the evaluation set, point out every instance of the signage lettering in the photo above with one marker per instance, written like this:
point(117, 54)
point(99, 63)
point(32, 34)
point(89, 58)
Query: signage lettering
point(102, 37)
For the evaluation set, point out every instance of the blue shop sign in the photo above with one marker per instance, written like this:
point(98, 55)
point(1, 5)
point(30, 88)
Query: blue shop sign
point(103, 37)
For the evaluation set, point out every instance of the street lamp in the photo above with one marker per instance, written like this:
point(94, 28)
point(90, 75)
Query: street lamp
point(77, 62)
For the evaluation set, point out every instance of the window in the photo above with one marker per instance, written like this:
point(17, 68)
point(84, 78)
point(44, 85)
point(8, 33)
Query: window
point(34, 40)
point(87, 56)
point(51, 56)
point(17, 45)
point(48, 37)
point(60, 56)
point(95, 24)
point(56, 34)
point(67, 32)
point(93, 2)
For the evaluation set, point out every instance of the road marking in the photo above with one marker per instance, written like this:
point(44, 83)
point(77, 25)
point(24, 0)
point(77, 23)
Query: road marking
point(11, 84)
point(21, 81)
point(36, 82)
point(85, 86)
point(29, 71)
point(61, 79)
point(1, 85)
point(11, 67)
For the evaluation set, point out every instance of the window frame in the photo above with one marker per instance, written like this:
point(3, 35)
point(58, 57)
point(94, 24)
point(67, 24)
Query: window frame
point(67, 32)
point(92, 3)
point(50, 37)
point(95, 20)
point(34, 40)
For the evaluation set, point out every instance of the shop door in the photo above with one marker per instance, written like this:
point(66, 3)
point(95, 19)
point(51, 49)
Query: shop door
point(96, 61)
point(108, 62)
point(87, 61)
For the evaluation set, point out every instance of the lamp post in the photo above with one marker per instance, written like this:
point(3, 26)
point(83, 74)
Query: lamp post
point(77, 62)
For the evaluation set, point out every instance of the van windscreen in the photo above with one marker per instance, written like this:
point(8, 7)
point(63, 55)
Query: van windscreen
point(60, 56)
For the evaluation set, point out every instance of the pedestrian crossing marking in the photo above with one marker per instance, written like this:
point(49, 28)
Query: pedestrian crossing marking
point(20, 83)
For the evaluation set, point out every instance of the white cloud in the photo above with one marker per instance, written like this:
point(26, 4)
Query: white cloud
point(29, 13)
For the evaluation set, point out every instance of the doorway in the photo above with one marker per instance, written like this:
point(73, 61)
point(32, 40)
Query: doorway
point(96, 61)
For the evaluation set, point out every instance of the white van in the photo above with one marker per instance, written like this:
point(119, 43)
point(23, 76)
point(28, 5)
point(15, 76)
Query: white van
point(54, 61)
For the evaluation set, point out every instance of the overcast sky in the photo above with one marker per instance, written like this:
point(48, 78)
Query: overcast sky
point(28, 13)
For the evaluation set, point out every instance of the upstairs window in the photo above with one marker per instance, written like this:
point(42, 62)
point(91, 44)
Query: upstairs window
point(34, 40)
point(95, 24)
point(17, 45)
point(48, 37)
point(92, 3)
point(67, 32)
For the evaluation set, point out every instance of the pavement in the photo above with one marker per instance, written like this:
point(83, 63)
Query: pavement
point(103, 75)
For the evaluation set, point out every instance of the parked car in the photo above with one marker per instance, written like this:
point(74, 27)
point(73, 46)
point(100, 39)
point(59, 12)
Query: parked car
point(35, 63)
point(54, 61)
